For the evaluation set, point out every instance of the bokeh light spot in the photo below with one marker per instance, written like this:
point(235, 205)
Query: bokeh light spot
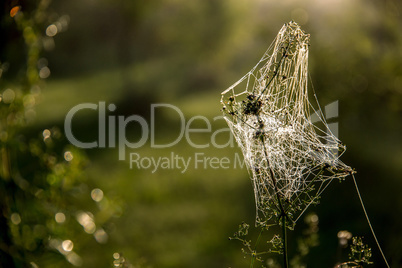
point(64, 21)
point(8, 95)
point(67, 245)
point(86, 220)
point(74, 259)
point(30, 115)
point(314, 218)
point(42, 62)
point(90, 227)
point(97, 194)
point(68, 156)
point(101, 236)
point(44, 72)
point(46, 134)
point(15, 218)
point(51, 30)
point(344, 236)
point(14, 11)
point(60, 217)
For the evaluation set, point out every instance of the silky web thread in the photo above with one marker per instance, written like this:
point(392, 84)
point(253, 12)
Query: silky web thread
point(291, 161)
point(368, 221)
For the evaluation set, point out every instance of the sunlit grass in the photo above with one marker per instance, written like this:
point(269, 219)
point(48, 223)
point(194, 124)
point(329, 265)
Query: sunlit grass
point(169, 218)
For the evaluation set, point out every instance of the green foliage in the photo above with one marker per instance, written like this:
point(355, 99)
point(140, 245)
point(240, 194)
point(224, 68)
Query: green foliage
point(42, 180)
point(24, 197)
point(176, 48)
point(359, 256)
point(266, 255)
point(250, 248)
point(360, 253)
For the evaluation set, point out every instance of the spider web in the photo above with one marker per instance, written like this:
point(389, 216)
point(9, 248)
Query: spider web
point(290, 160)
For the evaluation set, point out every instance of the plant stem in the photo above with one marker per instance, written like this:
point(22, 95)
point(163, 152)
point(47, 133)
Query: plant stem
point(254, 252)
point(282, 210)
point(6, 243)
point(284, 240)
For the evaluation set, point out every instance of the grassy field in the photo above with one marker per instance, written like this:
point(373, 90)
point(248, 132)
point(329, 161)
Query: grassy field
point(169, 217)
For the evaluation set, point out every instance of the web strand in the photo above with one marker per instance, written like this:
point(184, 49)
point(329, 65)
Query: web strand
point(368, 220)
point(290, 160)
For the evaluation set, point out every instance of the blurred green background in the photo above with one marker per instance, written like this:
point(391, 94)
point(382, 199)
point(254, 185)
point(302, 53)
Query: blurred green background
point(185, 53)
